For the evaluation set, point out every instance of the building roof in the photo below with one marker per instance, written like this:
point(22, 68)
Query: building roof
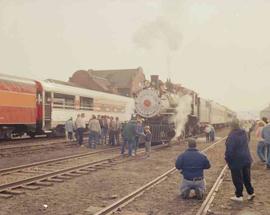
point(121, 78)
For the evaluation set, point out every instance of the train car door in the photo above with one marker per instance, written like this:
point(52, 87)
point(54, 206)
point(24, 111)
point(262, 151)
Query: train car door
point(39, 111)
point(48, 110)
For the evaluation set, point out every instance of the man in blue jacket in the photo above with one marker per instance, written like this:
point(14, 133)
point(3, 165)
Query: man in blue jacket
point(238, 158)
point(192, 164)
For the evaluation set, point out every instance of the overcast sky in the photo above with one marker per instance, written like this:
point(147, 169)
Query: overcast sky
point(220, 49)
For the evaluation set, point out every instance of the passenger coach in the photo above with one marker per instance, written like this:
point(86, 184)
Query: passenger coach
point(62, 101)
point(42, 107)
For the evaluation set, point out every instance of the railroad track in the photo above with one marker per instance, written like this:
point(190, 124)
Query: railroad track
point(36, 175)
point(51, 161)
point(8, 150)
point(211, 195)
point(116, 206)
point(39, 141)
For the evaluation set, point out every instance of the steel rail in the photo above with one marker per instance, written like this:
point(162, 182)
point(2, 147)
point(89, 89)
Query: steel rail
point(15, 168)
point(130, 197)
point(28, 145)
point(33, 179)
point(10, 146)
point(211, 195)
point(43, 177)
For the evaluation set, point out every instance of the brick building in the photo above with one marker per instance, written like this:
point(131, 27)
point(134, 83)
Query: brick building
point(123, 82)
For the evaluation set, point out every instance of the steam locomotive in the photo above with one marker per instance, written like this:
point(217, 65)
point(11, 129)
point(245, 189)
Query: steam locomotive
point(175, 111)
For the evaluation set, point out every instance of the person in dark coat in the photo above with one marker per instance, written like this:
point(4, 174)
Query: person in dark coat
point(238, 158)
point(129, 133)
point(192, 164)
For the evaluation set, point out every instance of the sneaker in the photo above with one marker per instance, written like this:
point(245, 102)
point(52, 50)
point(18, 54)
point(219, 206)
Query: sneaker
point(237, 199)
point(251, 197)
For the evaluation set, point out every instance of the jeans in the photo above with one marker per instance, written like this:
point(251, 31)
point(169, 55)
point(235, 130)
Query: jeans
point(261, 151)
point(117, 137)
point(125, 142)
point(93, 139)
point(112, 137)
point(207, 137)
point(104, 132)
point(80, 135)
point(147, 147)
point(212, 136)
point(188, 185)
point(241, 177)
point(70, 135)
point(131, 145)
point(136, 144)
point(267, 152)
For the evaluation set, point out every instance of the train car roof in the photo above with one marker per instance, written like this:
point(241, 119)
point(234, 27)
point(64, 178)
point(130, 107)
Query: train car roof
point(72, 90)
point(17, 79)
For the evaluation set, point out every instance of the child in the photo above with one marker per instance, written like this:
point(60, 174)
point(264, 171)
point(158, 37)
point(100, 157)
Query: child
point(148, 139)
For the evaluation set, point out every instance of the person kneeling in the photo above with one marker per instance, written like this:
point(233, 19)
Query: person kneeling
point(192, 164)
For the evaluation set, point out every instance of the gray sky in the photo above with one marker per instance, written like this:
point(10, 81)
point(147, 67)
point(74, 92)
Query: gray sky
point(221, 49)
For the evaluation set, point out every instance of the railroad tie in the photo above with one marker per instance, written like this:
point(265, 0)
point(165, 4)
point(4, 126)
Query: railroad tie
point(91, 169)
point(55, 180)
point(28, 171)
point(5, 195)
point(14, 192)
point(63, 177)
point(98, 166)
point(44, 170)
point(83, 171)
point(108, 164)
point(30, 187)
point(72, 174)
point(44, 183)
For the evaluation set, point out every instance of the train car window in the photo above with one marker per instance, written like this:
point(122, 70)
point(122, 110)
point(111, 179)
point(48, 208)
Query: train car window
point(63, 101)
point(86, 103)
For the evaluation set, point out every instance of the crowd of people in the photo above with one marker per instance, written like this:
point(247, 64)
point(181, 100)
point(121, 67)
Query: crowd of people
point(109, 130)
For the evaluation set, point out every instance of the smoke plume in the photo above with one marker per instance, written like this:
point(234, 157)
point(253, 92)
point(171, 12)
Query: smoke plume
point(158, 31)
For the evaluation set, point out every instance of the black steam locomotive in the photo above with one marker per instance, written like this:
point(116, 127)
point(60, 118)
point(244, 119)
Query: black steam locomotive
point(168, 109)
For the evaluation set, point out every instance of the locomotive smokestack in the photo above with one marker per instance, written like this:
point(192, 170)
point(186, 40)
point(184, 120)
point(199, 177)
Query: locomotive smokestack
point(155, 80)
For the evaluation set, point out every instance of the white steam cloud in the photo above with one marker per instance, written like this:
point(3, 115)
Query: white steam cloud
point(183, 110)
point(130, 109)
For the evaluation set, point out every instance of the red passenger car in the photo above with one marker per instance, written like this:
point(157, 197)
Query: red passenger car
point(20, 106)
